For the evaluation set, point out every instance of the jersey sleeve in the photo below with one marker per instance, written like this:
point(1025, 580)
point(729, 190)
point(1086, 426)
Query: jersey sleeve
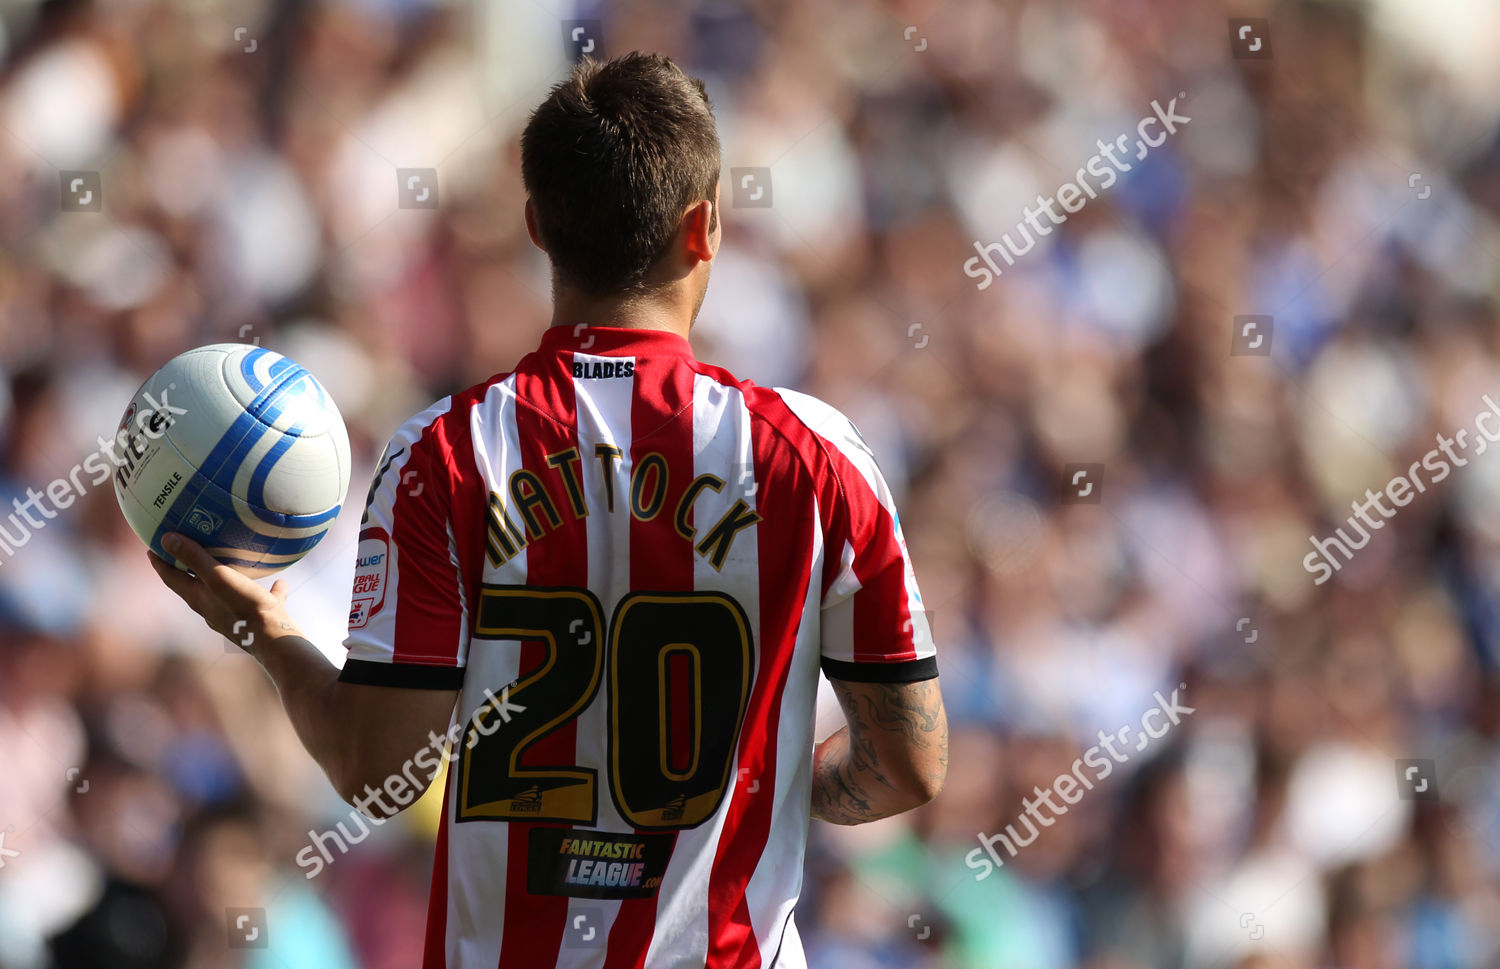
point(874, 627)
point(408, 618)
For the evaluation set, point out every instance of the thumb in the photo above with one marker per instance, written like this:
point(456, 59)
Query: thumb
point(280, 589)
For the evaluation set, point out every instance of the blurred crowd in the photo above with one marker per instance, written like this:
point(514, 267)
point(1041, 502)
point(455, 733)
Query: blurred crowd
point(1333, 800)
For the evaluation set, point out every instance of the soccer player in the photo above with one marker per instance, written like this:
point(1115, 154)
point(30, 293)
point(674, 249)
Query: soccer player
point(625, 568)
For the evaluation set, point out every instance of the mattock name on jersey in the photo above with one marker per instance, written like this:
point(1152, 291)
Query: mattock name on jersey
point(531, 500)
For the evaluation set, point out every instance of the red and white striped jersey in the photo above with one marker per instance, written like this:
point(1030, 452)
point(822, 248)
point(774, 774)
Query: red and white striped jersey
point(633, 565)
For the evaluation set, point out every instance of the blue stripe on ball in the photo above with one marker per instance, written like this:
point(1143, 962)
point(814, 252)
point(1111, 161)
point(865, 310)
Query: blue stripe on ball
point(251, 358)
point(215, 510)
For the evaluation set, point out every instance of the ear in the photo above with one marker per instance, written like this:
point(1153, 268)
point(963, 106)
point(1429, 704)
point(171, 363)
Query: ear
point(536, 237)
point(718, 220)
point(701, 236)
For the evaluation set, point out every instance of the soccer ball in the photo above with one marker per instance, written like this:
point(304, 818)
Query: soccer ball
point(238, 448)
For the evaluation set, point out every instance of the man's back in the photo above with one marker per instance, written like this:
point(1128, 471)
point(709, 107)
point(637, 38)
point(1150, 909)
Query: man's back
point(634, 565)
point(621, 570)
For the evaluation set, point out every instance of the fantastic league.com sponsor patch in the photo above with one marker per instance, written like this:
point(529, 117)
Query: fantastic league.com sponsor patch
point(596, 864)
point(369, 576)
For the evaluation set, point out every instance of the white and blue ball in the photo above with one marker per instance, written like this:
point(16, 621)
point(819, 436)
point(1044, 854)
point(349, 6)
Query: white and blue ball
point(238, 448)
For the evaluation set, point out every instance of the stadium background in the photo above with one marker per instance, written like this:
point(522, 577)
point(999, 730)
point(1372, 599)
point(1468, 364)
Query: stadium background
point(1344, 181)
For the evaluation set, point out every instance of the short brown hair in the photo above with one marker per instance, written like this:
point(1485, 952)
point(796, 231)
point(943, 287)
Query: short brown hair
point(610, 160)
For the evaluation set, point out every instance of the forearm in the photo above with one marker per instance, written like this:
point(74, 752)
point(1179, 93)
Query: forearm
point(848, 786)
point(891, 757)
point(361, 735)
point(308, 686)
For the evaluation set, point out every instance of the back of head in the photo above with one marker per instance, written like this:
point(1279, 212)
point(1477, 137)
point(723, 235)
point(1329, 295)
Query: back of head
point(610, 160)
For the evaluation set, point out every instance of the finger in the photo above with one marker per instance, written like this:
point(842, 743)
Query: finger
point(187, 588)
point(280, 589)
point(213, 572)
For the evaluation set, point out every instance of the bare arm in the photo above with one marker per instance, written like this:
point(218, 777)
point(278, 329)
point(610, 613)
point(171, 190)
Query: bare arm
point(891, 757)
point(360, 735)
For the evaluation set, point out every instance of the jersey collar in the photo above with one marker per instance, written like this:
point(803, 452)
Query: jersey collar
point(614, 340)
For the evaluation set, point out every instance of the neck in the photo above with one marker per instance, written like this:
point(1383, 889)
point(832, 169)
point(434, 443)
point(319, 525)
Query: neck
point(653, 312)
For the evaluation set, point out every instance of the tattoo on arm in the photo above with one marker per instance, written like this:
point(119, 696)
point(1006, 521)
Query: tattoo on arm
point(850, 783)
point(837, 795)
point(914, 715)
